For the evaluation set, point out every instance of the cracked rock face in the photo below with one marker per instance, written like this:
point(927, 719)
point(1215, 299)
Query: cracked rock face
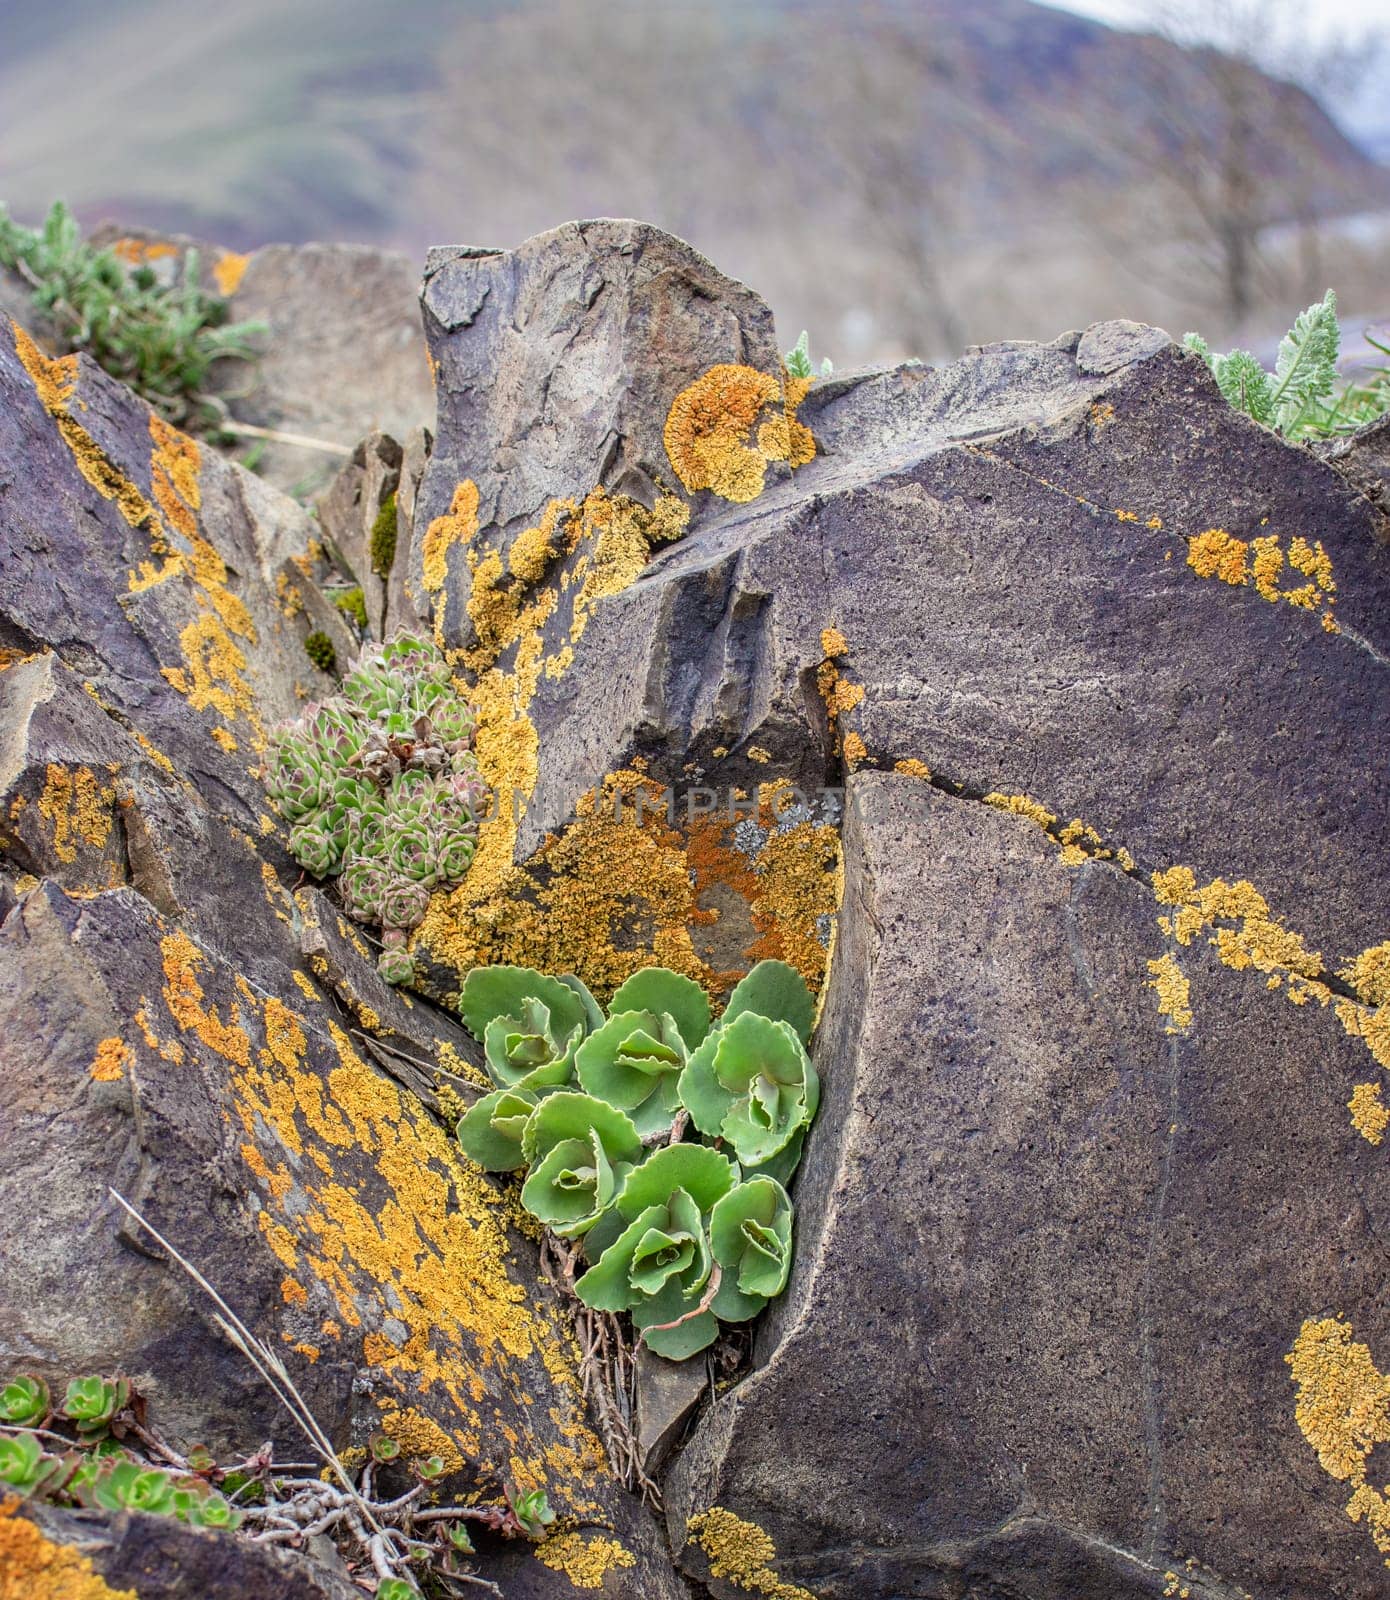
point(1093, 671)
point(1103, 666)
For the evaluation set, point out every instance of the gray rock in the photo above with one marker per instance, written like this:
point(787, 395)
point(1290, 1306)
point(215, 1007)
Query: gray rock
point(667, 1394)
point(1052, 1257)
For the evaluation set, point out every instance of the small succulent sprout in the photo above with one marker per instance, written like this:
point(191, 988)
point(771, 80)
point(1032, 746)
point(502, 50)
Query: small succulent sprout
point(532, 1511)
point(777, 991)
point(133, 1486)
point(213, 1510)
point(454, 852)
point(396, 965)
point(24, 1401)
point(658, 1267)
point(362, 884)
point(383, 1447)
point(404, 903)
point(430, 1468)
point(315, 846)
point(750, 1233)
point(24, 1468)
point(490, 1131)
point(634, 1062)
point(579, 1150)
point(752, 1083)
point(460, 1538)
point(201, 1460)
point(92, 1403)
point(396, 1589)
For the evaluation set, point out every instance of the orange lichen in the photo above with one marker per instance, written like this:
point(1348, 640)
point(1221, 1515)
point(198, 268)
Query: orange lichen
point(213, 677)
point(77, 808)
point(585, 1558)
point(458, 525)
point(833, 643)
point(1022, 805)
point(1172, 989)
point(33, 1567)
point(1369, 975)
point(783, 438)
point(1218, 554)
point(54, 381)
point(742, 1554)
point(228, 271)
point(707, 431)
point(1369, 1115)
point(855, 751)
point(912, 768)
point(183, 994)
point(1343, 1411)
point(112, 1058)
point(419, 1436)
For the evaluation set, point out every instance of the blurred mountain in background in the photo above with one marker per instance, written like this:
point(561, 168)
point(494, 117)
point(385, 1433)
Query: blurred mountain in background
point(900, 178)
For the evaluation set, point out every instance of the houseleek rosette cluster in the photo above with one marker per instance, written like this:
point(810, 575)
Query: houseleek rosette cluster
point(381, 789)
point(659, 1139)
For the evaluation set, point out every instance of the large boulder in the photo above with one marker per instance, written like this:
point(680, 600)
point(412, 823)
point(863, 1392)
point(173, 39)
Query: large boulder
point(1101, 665)
point(191, 1028)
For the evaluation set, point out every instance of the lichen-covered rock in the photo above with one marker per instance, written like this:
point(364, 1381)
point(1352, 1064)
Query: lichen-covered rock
point(184, 1029)
point(1104, 1049)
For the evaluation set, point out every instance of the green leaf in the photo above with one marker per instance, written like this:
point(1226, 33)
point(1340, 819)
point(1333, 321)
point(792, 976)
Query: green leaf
point(634, 1062)
point(660, 990)
point(529, 1051)
point(769, 1087)
point(1199, 346)
point(704, 1174)
point(1306, 367)
point(781, 1166)
point(593, 1012)
point(499, 991)
point(773, 989)
point(606, 1286)
point(691, 1333)
point(490, 1131)
point(571, 1116)
point(751, 1238)
point(701, 1093)
point(1245, 384)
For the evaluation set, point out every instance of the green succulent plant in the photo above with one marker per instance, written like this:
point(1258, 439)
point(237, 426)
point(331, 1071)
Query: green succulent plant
point(750, 1233)
point(658, 1266)
point(530, 1025)
point(490, 1130)
point(381, 788)
point(579, 1151)
point(532, 1511)
point(396, 1589)
point(24, 1467)
point(753, 1084)
point(24, 1401)
point(93, 1402)
point(132, 1486)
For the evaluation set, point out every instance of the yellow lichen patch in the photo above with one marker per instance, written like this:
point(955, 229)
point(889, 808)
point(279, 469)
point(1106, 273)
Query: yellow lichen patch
point(1102, 415)
point(54, 381)
point(708, 427)
point(109, 1063)
point(175, 462)
point(228, 271)
point(1343, 1411)
point(1368, 1112)
point(1260, 562)
point(213, 677)
point(1022, 805)
point(783, 438)
point(1167, 980)
point(855, 751)
point(584, 1558)
point(419, 1436)
point(366, 1201)
point(833, 643)
point(742, 1554)
point(458, 525)
point(1369, 975)
point(77, 808)
point(33, 1567)
point(912, 768)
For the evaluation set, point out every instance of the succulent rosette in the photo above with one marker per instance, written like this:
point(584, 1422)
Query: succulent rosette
point(395, 964)
point(404, 903)
point(362, 883)
point(315, 846)
point(530, 1025)
point(659, 1265)
point(453, 854)
point(751, 1083)
point(634, 1060)
point(580, 1150)
point(490, 1131)
point(408, 842)
point(750, 1233)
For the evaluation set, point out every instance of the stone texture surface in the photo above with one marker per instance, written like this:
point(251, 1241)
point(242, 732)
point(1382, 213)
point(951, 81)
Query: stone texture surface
point(1052, 1255)
point(1112, 835)
point(183, 1028)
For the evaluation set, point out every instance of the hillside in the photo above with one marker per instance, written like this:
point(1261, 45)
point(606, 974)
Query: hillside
point(981, 133)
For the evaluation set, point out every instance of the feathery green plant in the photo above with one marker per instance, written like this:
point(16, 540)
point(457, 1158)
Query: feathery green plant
point(799, 360)
point(1295, 400)
point(161, 339)
point(659, 1139)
